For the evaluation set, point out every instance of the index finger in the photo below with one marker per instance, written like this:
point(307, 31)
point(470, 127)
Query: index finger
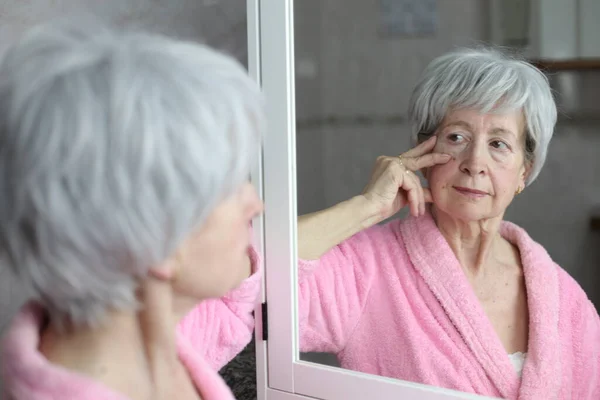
point(427, 160)
point(427, 195)
point(423, 148)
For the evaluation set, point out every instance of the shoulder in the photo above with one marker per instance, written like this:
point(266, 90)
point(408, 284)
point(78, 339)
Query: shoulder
point(26, 323)
point(573, 297)
point(380, 237)
point(527, 246)
point(572, 294)
point(367, 250)
point(397, 233)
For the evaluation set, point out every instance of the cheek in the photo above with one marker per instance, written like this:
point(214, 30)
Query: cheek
point(507, 170)
point(506, 182)
point(504, 160)
point(440, 176)
point(453, 149)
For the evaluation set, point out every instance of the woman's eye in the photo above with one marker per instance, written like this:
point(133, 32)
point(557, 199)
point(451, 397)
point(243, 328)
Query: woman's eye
point(455, 138)
point(498, 144)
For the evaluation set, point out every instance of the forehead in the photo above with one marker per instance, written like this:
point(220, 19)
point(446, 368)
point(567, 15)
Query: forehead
point(505, 122)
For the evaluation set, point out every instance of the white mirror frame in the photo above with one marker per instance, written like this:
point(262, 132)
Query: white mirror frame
point(264, 392)
point(280, 372)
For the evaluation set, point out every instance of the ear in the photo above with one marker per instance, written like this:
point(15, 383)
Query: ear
point(525, 174)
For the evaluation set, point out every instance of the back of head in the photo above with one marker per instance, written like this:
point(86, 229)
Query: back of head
point(114, 146)
point(488, 80)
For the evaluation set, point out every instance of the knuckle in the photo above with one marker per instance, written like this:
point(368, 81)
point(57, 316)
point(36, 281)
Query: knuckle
point(395, 166)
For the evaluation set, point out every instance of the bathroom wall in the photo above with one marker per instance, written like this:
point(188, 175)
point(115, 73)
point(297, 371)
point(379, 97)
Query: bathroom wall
point(221, 23)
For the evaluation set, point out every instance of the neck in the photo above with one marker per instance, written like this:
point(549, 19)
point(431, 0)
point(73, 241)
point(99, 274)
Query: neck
point(134, 352)
point(473, 242)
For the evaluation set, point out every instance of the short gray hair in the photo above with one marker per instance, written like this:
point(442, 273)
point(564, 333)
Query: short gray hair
point(489, 80)
point(114, 147)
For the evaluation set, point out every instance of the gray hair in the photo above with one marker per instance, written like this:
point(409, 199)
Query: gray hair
point(488, 80)
point(114, 147)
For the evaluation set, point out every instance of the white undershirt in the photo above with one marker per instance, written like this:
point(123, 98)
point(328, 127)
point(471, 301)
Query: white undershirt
point(518, 360)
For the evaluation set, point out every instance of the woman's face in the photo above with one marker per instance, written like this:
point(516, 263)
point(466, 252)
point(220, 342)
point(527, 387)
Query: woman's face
point(488, 164)
point(214, 259)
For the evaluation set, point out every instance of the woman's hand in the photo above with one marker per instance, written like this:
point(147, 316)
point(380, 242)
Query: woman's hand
point(394, 184)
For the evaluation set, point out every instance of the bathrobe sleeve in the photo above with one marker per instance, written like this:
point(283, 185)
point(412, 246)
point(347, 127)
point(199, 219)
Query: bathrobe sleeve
point(333, 291)
point(221, 328)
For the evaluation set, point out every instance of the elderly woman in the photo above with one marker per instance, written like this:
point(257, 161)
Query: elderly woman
point(125, 203)
point(453, 296)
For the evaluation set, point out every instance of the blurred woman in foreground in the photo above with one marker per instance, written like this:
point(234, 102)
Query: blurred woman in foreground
point(125, 208)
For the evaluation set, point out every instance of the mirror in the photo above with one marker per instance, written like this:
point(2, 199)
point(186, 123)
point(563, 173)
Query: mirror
point(386, 305)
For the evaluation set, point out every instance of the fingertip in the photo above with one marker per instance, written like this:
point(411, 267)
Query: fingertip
point(427, 196)
point(414, 209)
point(429, 142)
point(445, 157)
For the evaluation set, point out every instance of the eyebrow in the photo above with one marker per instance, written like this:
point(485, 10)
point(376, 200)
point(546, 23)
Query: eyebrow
point(466, 125)
point(502, 131)
point(462, 124)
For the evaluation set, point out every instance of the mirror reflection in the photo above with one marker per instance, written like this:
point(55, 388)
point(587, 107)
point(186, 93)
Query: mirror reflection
point(446, 208)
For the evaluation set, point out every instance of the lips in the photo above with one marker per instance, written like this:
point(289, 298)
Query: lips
point(470, 191)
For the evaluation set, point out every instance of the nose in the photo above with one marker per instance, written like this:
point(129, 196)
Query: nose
point(253, 204)
point(474, 161)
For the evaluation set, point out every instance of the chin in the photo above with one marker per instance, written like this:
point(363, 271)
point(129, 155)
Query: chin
point(465, 212)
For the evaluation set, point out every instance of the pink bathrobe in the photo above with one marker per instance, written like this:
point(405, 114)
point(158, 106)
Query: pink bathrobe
point(207, 339)
point(393, 301)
